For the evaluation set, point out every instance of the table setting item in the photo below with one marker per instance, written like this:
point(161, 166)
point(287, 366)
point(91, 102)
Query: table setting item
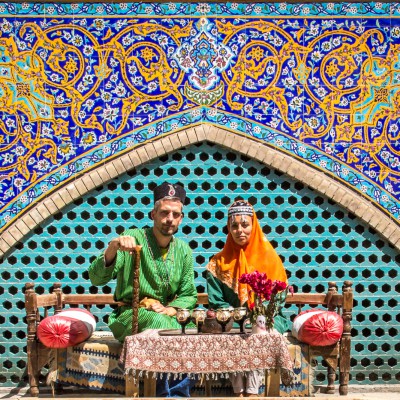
point(240, 316)
point(183, 318)
point(211, 325)
point(198, 316)
point(223, 316)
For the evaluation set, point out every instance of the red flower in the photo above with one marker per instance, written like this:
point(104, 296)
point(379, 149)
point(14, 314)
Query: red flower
point(263, 287)
point(264, 290)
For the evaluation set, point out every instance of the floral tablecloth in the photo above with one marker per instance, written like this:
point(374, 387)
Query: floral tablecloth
point(206, 354)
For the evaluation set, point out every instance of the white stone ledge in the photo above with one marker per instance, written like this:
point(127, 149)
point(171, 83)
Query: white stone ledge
point(80, 186)
point(158, 148)
point(191, 135)
point(127, 162)
point(15, 233)
point(65, 196)
point(143, 154)
point(95, 177)
point(58, 201)
point(103, 174)
point(175, 142)
point(200, 133)
point(183, 138)
point(73, 191)
point(22, 227)
point(119, 166)
point(50, 205)
point(167, 145)
point(111, 171)
point(212, 134)
point(8, 239)
point(35, 215)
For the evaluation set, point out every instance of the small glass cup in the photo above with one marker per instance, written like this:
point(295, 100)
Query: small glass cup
point(239, 316)
point(183, 318)
point(223, 316)
point(198, 316)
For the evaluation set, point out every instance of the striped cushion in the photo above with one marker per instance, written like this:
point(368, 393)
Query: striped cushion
point(318, 327)
point(67, 328)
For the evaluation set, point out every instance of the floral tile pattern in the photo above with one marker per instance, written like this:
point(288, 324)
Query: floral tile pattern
point(82, 82)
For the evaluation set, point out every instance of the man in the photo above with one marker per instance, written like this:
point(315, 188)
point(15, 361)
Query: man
point(166, 273)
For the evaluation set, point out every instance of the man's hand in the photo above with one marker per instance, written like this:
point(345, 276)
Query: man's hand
point(160, 309)
point(123, 243)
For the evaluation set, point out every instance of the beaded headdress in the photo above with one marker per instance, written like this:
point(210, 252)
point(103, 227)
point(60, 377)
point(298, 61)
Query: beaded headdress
point(240, 207)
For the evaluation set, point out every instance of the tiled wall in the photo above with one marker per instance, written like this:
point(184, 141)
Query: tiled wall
point(318, 240)
point(83, 82)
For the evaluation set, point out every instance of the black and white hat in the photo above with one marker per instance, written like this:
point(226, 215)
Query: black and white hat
point(169, 190)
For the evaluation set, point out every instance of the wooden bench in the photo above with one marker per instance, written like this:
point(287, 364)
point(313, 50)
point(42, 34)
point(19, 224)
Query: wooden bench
point(336, 356)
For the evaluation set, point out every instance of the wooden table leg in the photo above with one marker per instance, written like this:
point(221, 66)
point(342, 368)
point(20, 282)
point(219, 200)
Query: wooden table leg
point(131, 385)
point(149, 389)
point(272, 382)
point(207, 387)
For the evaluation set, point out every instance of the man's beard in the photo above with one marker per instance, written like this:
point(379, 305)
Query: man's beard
point(166, 230)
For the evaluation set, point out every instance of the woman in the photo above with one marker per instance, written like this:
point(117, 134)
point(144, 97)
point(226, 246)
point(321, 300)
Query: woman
point(246, 250)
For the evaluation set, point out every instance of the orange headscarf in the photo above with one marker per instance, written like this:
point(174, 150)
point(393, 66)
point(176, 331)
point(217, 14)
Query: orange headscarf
point(234, 260)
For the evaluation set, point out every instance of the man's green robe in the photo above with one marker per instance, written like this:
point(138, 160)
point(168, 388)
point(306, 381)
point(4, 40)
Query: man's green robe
point(171, 281)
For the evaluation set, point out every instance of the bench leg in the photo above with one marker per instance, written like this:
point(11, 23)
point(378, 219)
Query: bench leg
point(332, 362)
point(344, 384)
point(33, 368)
point(344, 366)
point(344, 378)
point(330, 389)
point(131, 385)
point(272, 383)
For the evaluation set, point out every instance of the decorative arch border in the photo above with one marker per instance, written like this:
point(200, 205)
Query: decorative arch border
point(165, 144)
point(23, 195)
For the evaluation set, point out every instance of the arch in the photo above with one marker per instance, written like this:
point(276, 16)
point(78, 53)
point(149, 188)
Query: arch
point(253, 148)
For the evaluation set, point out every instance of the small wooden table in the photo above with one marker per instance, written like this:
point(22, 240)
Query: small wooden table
point(154, 352)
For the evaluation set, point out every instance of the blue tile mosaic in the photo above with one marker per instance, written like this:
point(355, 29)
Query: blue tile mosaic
point(82, 82)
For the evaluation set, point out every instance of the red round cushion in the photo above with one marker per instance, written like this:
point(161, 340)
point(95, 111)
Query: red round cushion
point(67, 328)
point(318, 327)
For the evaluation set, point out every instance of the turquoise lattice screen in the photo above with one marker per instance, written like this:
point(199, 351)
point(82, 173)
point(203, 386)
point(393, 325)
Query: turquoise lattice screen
point(318, 241)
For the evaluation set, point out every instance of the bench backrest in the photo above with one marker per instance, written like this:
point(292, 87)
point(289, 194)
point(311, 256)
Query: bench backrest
point(57, 300)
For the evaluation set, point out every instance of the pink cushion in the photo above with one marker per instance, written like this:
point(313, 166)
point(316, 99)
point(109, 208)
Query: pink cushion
point(67, 328)
point(318, 327)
